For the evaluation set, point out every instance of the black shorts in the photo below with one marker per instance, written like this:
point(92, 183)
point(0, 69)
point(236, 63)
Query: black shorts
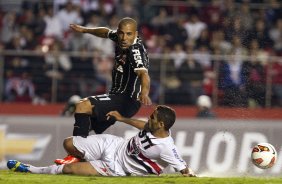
point(105, 103)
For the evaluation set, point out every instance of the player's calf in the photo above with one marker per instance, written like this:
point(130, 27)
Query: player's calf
point(81, 125)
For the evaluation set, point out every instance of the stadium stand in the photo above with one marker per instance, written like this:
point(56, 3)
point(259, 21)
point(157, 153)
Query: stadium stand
point(229, 50)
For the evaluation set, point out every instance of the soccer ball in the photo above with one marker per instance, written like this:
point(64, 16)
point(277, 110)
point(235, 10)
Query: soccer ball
point(264, 155)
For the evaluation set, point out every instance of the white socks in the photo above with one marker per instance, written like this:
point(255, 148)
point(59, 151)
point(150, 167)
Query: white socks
point(52, 169)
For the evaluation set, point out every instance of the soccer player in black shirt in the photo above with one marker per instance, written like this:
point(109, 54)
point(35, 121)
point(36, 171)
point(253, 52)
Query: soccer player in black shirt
point(130, 82)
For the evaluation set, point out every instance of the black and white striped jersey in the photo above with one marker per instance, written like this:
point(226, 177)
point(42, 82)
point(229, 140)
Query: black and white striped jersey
point(124, 78)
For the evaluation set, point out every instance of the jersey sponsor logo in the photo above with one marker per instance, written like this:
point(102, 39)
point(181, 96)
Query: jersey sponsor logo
point(137, 57)
point(120, 69)
point(176, 155)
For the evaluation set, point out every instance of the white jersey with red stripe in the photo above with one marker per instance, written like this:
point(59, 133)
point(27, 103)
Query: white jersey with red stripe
point(146, 154)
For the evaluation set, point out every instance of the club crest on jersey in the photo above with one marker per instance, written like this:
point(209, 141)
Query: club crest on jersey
point(121, 59)
point(137, 57)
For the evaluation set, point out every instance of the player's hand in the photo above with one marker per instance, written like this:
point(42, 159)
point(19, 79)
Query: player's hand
point(145, 99)
point(114, 114)
point(77, 28)
point(188, 172)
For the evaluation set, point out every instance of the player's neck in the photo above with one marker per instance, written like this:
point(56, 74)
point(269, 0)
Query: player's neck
point(160, 133)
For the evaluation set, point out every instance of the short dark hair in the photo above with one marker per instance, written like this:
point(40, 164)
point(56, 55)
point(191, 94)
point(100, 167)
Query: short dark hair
point(166, 115)
point(128, 20)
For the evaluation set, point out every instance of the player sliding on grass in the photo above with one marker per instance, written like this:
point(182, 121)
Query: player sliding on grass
point(148, 152)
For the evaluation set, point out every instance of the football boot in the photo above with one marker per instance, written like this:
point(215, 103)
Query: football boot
point(67, 160)
point(17, 166)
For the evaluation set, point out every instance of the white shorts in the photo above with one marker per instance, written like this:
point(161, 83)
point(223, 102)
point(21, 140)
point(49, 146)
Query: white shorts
point(100, 150)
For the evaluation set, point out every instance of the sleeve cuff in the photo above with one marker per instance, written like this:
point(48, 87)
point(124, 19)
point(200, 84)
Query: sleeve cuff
point(137, 69)
point(110, 32)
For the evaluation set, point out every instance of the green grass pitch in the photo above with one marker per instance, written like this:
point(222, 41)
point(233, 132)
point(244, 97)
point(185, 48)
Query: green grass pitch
point(9, 177)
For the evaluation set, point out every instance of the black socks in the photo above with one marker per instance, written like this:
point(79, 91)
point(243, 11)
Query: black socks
point(81, 125)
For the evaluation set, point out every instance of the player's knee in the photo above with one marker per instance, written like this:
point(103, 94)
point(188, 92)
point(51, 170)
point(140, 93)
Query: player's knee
point(68, 144)
point(71, 149)
point(84, 106)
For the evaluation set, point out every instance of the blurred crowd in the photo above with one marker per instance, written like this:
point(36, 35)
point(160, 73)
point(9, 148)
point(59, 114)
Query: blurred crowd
point(190, 34)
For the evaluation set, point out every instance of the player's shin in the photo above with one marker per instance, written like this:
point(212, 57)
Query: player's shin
point(81, 125)
point(52, 169)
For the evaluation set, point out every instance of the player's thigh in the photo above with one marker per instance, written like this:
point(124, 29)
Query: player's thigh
point(97, 147)
point(92, 146)
point(130, 107)
point(80, 168)
point(104, 104)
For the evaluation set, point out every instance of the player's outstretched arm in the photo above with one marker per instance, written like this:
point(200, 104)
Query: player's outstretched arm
point(187, 172)
point(101, 32)
point(145, 87)
point(133, 122)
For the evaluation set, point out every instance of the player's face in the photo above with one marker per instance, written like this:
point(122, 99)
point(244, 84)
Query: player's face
point(126, 35)
point(153, 122)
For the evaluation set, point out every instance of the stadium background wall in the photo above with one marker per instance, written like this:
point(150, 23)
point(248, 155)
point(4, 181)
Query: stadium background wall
point(182, 111)
point(210, 147)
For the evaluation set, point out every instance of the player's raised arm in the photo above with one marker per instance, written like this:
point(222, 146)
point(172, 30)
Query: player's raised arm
point(133, 122)
point(101, 32)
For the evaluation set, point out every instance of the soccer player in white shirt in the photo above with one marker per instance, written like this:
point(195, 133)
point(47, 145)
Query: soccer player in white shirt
point(148, 152)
